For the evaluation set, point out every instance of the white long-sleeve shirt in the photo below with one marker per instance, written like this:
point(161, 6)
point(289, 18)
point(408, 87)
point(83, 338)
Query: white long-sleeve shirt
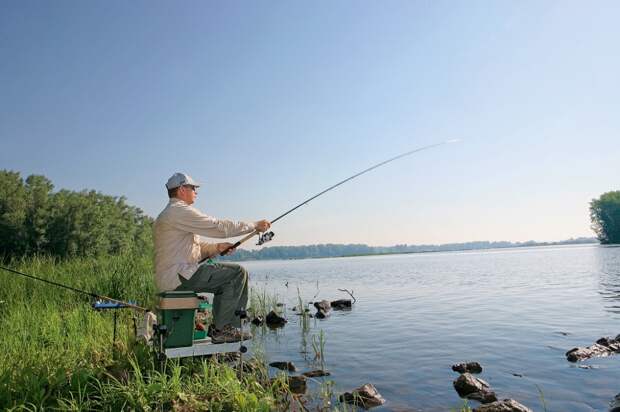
point(178, 248)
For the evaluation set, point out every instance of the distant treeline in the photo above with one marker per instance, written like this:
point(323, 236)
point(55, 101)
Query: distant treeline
point(36, 220)
point(334, 250)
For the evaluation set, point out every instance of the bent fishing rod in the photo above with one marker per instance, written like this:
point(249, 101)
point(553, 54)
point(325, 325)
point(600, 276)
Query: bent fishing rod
point(267, 236)
point(83, 292)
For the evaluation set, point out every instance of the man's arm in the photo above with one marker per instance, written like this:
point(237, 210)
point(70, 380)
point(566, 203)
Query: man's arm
point(191, 220)
point(209, 250)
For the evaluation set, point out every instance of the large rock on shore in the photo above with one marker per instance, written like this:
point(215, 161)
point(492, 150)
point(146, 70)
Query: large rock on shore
point(365, 396)
point(603, 347)
point(470, 387)
point(506, 405)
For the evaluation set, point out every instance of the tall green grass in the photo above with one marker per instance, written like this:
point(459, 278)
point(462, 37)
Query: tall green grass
point(57, 352)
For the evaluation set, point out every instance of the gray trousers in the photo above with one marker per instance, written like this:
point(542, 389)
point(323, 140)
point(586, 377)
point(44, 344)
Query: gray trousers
point(229, 284)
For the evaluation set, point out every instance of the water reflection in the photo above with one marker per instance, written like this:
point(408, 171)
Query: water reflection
point(608, 261)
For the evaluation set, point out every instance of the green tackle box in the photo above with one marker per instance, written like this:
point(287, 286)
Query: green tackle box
point(177, 310)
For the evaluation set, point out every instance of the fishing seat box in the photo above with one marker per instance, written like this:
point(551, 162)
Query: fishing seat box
point(177, 310)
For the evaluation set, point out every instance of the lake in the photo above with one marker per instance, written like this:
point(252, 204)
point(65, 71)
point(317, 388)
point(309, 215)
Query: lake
point(516, 311)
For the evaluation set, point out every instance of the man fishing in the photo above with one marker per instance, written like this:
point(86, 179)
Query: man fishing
point(179, 251)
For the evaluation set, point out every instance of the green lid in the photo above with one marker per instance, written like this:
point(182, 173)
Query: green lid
point(178, 294)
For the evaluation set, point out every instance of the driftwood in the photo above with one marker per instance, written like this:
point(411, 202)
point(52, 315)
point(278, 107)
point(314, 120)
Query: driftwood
point(341, 304)
point(350, 294)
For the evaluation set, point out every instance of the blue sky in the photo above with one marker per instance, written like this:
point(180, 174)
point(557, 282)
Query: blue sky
point(268, 103)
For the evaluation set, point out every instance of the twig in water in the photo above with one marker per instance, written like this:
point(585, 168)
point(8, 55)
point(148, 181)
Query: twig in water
point(350, 293)
point(317, 290)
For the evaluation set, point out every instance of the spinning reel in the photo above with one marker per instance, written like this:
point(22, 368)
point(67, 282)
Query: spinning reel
point(265, 237)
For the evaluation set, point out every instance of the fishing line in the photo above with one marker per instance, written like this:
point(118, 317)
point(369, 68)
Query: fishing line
point(94, 295)
point(267, 236)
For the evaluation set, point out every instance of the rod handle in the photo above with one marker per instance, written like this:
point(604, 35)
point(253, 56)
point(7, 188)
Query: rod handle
point(222, 253)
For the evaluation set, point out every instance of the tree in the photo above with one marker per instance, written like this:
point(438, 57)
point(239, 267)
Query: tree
point(605, 216)
point(34, 220)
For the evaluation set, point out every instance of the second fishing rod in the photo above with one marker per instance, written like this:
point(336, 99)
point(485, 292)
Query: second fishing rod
point(267, 236)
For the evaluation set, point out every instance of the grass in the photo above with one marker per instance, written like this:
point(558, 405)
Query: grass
point(57, 352)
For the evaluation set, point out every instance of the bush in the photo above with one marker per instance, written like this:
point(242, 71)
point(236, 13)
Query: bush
point(605, 216)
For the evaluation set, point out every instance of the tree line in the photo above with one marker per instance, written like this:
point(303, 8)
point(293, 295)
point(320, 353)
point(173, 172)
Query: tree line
point(339, 250)
point(36, 220)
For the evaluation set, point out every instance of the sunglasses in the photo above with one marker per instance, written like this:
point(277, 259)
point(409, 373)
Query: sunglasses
point(192, 188)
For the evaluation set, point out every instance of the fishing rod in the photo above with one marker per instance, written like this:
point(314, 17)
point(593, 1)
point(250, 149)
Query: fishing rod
point(267, 236)
point(94, 295)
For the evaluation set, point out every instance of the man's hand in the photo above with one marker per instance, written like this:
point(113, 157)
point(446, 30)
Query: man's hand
point(262, 225)
point(223, 246)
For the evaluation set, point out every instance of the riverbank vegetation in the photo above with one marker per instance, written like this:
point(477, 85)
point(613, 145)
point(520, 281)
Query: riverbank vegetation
point(58, 353)
point(605, 216)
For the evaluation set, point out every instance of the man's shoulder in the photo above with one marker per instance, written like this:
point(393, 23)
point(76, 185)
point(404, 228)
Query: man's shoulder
point(176, 209)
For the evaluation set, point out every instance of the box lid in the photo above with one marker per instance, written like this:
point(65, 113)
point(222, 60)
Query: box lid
point(174, 294)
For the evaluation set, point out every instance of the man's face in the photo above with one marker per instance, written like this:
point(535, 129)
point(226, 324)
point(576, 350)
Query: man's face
point(187, 193)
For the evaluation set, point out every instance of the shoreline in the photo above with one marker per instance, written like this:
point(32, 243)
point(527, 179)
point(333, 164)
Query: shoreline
point(447, 250)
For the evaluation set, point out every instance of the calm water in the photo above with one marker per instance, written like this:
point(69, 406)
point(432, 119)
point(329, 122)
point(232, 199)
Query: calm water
point(516, 311)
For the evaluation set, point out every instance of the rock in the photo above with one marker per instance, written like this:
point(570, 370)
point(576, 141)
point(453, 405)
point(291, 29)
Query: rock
point(322, 307)
point(615, 404)
point(483, 396)
point(227, 356)
point(468, 367)
point(365, 396)
point(470, 387)
point(341, 304)
point(285, 366)
point(297, 384)
point(506, 405)
point(316, 373)
point(602, 347)
point(466, 384)
point(274, 320)
point(258, 320)
point(279, 305)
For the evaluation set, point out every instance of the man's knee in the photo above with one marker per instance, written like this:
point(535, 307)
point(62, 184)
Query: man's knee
point(243, 274)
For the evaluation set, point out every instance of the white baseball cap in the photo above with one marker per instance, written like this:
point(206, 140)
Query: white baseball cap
point(180, 179)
